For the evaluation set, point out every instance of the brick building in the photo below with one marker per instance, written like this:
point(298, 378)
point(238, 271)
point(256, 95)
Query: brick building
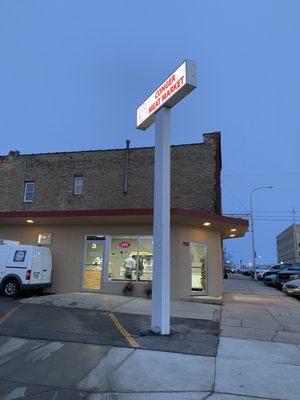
point(94, 210)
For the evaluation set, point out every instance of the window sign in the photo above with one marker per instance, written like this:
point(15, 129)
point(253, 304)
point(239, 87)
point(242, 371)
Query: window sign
point(19, 256)
point(124, 245)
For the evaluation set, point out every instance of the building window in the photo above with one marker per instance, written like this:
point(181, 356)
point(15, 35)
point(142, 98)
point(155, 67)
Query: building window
point(28, 192)
point(131, 258)
point(78, 185)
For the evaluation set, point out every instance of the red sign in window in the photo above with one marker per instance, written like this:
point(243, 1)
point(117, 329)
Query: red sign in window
point(124, 245)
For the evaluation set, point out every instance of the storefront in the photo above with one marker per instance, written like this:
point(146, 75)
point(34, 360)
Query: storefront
point(107, 253)
point(130, 258)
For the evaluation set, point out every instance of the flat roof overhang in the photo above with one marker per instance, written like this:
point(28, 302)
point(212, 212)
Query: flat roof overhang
point(228, 226)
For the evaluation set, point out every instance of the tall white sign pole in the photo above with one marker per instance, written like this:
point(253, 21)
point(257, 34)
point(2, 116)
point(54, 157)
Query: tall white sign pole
point(157, 109)
point(160, 313)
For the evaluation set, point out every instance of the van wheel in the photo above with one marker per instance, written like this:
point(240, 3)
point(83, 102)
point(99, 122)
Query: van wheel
point(11, 288)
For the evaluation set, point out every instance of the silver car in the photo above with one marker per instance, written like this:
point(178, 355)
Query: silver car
point(292, 288)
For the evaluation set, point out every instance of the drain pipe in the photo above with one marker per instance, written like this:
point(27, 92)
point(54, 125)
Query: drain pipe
point(126, 167)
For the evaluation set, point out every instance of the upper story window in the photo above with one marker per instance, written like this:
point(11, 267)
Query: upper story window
point(78, 185)
point(28, 192)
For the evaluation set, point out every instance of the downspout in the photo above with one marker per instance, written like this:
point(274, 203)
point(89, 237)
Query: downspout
point(126, 166)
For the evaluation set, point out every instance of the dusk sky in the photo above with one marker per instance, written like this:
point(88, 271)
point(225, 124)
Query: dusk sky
point(72, 73)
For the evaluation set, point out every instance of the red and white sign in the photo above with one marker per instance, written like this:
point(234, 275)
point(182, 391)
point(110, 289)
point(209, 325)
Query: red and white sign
point(124, 245)
point(172, 90)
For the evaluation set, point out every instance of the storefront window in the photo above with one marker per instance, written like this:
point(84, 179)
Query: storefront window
point(131, 258)
point(198, 268)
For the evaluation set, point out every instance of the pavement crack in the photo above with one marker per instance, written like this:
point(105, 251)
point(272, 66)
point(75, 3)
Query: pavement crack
point(274, 336)
point(276, 319)
point(209, 394)
point(120, 305)
point(109, 377)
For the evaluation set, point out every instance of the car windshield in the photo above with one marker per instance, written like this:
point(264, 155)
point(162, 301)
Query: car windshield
point(281, 266)
point(261, 267)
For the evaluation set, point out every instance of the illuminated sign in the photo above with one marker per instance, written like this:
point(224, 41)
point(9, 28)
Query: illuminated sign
point(170, 92)
point(124, 245)
point(45, 238)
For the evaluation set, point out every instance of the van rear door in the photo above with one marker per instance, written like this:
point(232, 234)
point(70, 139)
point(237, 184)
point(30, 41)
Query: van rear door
point(47, 265)
point(37, 265)
point(4, 253)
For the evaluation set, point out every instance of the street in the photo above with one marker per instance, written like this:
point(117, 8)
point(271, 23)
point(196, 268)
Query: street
point(71, 352)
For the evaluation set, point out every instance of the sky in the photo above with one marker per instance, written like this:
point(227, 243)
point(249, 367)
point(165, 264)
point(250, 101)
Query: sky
point(72, 73)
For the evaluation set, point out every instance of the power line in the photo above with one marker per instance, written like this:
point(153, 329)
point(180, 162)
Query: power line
point(233, 194)
point(265, 174)
point(277, 219)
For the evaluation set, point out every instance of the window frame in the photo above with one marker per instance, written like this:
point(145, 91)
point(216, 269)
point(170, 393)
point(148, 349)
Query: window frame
point(196, 292)
point(76, 186)
point(124, 237)
point(26, 192)
point(90, 238)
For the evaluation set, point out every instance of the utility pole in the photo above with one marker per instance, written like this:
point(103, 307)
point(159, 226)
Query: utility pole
point(252, 228)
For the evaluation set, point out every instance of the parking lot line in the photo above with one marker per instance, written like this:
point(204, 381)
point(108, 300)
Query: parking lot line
point(133, 343)
point(9, 314)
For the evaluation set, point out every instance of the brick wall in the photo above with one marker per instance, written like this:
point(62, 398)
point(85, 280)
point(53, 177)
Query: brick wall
point(195, 178)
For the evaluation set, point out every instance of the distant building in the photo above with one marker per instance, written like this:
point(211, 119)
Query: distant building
point(288, 244)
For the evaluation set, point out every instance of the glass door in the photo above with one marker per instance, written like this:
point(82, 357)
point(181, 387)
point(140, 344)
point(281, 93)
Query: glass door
point(198, 268)
point(93, 263)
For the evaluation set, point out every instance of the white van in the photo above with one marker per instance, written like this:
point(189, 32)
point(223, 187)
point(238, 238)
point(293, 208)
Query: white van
point(24, 267)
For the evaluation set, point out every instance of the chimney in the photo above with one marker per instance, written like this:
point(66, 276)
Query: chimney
point(13, 154)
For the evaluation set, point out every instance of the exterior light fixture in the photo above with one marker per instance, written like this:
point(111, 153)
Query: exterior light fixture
point(233, 235)
point(29, 221)
point(206, 223)
point(233, 230)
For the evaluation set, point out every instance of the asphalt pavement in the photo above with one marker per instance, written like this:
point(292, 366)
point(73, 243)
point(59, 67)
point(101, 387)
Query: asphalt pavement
point(32, 321)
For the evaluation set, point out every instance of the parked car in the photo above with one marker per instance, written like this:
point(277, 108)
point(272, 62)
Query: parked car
point(270, 280)
point(288, 274)
point(272, 270)
point(247, 272)
point(24, 267)
point(260, 269)
point(292, 288)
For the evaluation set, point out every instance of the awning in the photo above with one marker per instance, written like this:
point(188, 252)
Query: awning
point(230, 227)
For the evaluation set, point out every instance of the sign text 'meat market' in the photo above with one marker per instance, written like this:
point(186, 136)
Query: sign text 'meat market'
point(170, 92)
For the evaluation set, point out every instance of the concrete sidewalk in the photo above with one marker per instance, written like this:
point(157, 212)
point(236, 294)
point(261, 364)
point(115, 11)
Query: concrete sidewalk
point(126, 304)
point(252, 310)
point(259, 348)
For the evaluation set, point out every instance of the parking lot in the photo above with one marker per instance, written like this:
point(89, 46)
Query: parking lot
point(70, 324)
point(90, 346)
